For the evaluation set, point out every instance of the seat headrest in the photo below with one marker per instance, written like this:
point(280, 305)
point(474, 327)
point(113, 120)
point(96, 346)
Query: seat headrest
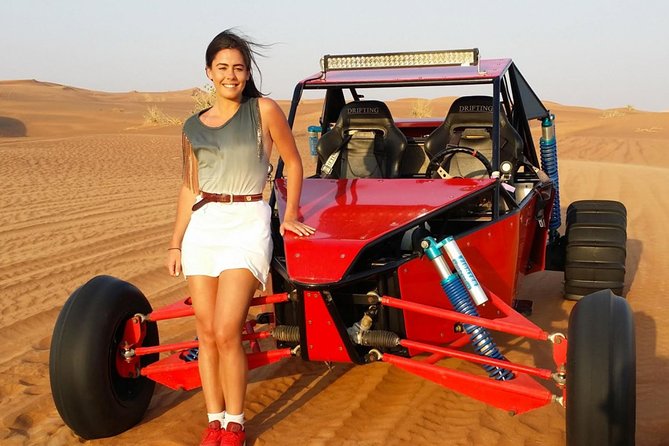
point(471, 104)
point(472, 116)
point(473, 111)
point(365, 115)
point(369, 143)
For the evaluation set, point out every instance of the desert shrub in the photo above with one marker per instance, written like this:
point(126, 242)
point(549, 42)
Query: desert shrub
point(421, 109)
point(155, 116)
point(617, 112)
point(613, 113)
point(204, 98)
point(648, 129)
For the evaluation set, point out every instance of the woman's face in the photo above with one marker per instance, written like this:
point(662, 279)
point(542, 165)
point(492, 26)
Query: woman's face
point(229, 73)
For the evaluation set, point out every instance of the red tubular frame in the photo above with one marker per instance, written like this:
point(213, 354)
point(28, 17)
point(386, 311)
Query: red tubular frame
point(527, 329)
point(180, 346)
point(517, 395)
point(172, 371)
point(478, 359)
point(184, 308)
point(177, 374)
point(527, 393)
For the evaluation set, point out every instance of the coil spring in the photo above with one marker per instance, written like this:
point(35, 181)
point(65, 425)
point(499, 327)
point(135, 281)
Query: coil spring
point(286, 333)
point(379, 338)
point(549, 164)
point(479, 336)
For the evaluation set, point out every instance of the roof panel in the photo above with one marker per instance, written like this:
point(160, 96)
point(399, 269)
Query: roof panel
point(489, 69)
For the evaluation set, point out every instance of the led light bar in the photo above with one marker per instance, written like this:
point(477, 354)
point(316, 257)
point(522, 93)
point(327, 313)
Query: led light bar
point(397, 60)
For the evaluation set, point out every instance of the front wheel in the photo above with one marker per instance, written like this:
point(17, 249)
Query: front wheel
point(91, 396)
point(601, 372)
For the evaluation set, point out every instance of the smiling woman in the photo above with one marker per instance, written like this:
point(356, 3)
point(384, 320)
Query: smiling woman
point(238, 57)
point(222, 236)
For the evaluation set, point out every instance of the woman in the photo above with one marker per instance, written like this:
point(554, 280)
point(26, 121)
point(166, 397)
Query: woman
point(222, 233)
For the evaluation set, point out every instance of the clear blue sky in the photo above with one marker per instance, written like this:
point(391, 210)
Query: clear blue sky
point(577, 52)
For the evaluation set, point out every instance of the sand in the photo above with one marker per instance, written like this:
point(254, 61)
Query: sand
point(89, 189)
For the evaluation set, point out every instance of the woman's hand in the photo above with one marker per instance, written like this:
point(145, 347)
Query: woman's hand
point(173, 261)
point(296, 226)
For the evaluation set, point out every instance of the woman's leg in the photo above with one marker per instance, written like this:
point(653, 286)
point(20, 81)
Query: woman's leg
point(235, 290)
point(203, 295)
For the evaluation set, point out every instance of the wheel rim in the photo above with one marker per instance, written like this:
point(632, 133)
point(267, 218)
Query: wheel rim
point(124, 389)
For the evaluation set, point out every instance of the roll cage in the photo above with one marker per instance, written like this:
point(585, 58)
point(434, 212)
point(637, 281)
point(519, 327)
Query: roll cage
point(510, 92)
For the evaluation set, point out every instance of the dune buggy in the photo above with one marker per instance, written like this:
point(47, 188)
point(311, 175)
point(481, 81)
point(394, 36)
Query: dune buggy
point(425, 228)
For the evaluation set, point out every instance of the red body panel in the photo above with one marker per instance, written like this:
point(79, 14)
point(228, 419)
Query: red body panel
point(420, 283)
point(349, 214)
point(324, 343)
point(492, 253)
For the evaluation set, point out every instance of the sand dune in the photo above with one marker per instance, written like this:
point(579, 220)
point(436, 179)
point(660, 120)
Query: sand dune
point(90, 189)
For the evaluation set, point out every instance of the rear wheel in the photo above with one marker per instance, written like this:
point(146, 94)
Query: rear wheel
point(596, 247)
point(601, 372)
point(93, 399)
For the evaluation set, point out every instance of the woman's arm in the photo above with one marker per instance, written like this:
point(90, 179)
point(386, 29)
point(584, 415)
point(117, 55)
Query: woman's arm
point(185, 202)
point(184, 205)
point(282, 138)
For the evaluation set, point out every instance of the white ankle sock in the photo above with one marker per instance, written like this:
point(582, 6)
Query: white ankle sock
point(220, 416)
point(234, 419)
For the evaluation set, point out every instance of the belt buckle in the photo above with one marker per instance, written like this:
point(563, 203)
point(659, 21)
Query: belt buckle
point(232, 199)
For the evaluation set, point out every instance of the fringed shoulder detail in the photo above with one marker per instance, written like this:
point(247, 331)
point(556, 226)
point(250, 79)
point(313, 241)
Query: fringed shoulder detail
point(189, 175)
point(259, 139)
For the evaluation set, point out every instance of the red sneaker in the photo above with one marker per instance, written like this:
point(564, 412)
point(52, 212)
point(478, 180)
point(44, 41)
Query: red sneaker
point(234, 435)
point(212, 435)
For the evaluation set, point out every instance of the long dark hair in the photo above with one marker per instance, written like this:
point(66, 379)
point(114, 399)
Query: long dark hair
point(228, 39)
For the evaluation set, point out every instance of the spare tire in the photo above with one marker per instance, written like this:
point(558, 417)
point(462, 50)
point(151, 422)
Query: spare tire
point(596, 238)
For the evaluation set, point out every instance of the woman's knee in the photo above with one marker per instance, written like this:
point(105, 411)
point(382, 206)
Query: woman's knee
point(228, 338)
point(206, 333)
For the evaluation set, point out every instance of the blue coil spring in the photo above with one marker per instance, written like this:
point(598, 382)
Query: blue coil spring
point(549, 164)
point(479, 336)
point(191, 354)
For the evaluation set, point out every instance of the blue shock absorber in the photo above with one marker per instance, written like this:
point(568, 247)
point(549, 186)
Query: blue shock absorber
point(460, 300)
point(479, 336)
point(549, 164)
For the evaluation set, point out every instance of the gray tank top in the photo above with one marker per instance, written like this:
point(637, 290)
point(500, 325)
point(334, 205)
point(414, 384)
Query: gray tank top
point(231, 159)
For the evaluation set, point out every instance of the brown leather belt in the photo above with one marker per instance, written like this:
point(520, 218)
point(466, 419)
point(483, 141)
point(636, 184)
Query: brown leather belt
point(225, 198)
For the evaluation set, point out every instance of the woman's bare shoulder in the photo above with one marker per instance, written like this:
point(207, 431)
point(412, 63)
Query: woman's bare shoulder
point(270, 109)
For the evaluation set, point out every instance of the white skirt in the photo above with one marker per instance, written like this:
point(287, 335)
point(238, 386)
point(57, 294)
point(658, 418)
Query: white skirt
point(224, 236)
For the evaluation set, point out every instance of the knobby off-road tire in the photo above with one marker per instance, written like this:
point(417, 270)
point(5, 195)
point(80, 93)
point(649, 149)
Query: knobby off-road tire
point(596, 247)
point(601, 372)
point(90, 395)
